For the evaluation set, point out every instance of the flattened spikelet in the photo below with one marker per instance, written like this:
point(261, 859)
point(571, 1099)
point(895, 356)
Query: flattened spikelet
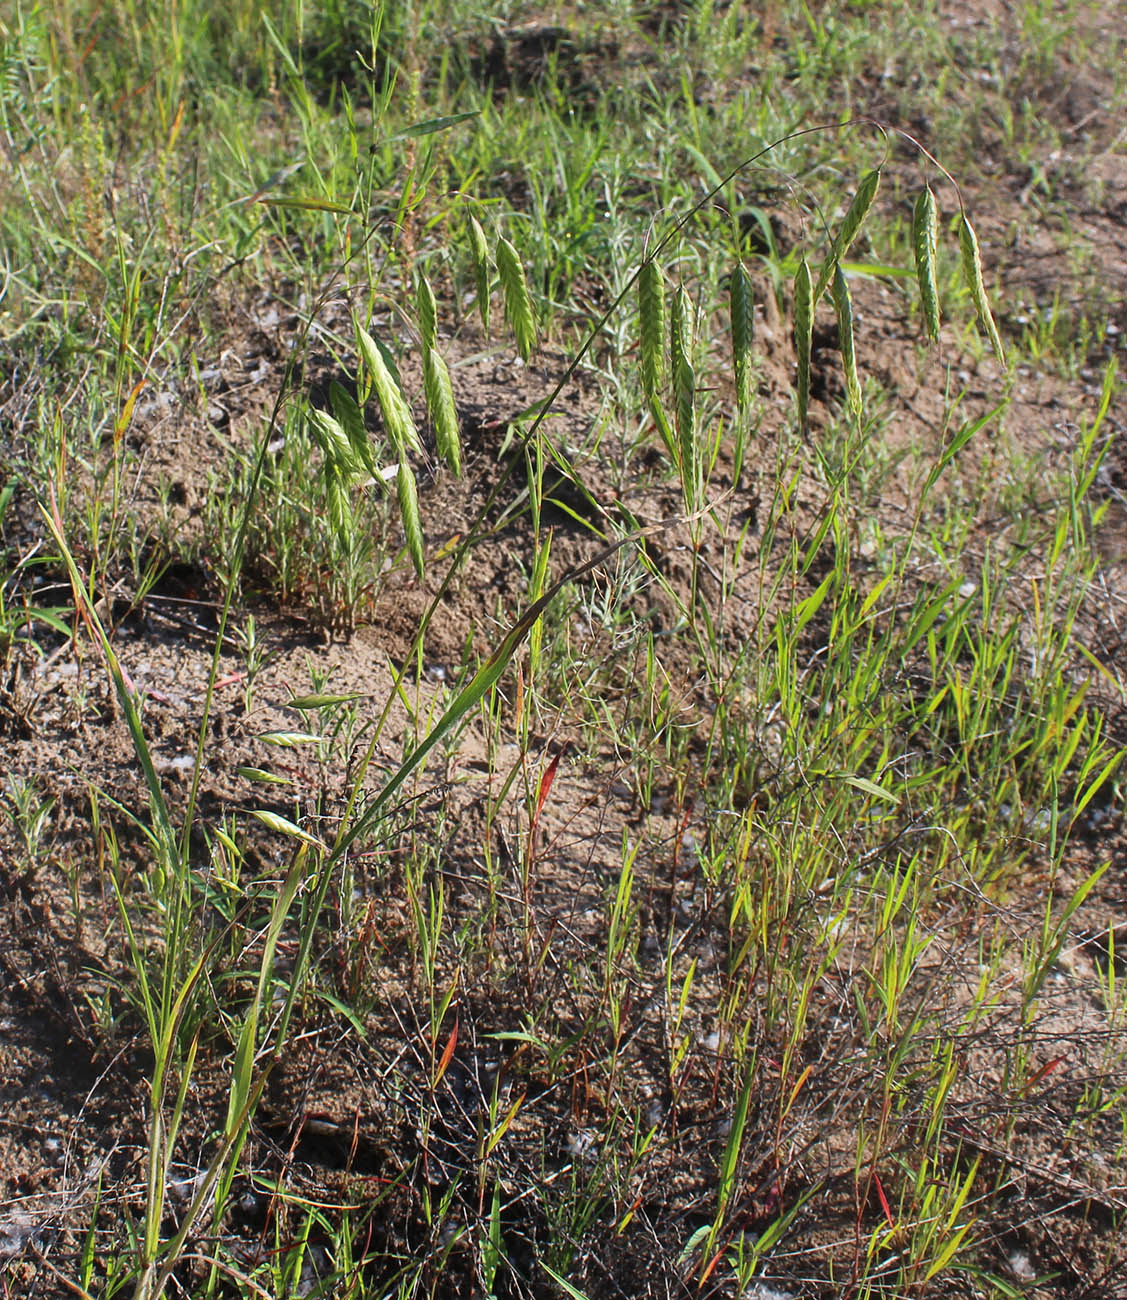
point(408, 494)
point(803, 335)
point(972, 269)
point(684, 390)
point(340, 511)
point(742, 307)
point(854, 219)
point(844, 308)
point(518, 305)
point(428, 312)
point(651, 327)
point(351, 420)
point(479, 250)
point(925, 240)
point(393, 405)
point(443, 412)
point(333, 442)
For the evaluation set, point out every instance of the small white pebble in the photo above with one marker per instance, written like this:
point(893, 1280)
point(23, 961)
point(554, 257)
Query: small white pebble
point(1021, 1265)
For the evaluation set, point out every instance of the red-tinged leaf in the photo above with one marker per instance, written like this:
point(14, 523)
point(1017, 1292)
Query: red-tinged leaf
point(710, 1266)
point(1036, 1078)
point(546, 782)
point(799, 1086)
point(447, 1054)
point(883, 1201)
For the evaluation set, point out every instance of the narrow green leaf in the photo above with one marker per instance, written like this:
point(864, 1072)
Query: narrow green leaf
point(854, 219)
point(925, 241)
point(844, 308)
point(972, 269)
point(409, 510)
point(433, 124)
point(443, 413)
point(806, 609)
point(518, 305)
point(958, 441)
point(479, 250)
point(536, 585)
point(393, 405)
point(866, 786)
point(803, 335)
point(742, 315)
point(730, 1163)
point(573, 1292)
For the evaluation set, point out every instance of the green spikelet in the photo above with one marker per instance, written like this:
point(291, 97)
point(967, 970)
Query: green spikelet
point(651, 328)
point(844, 307)
point(972, 269)
point(340, 511)
point(479, 250)
point(518, 305)
point(351, 420)
point(393, 405)
point(854, 219)
point(333, 442)
point(427, 309)
point(408, 494)
point(742, 311)
point(803, 335)
point(443, 413)
point(925, 241)
point(684, 391)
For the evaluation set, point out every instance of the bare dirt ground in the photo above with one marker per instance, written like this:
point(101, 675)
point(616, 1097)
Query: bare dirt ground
point(72, 1077)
